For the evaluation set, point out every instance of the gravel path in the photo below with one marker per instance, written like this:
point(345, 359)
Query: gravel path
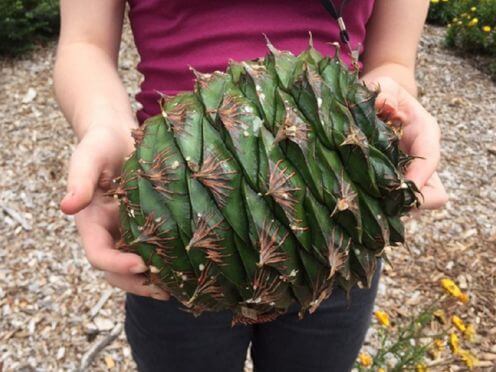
point(54, 306)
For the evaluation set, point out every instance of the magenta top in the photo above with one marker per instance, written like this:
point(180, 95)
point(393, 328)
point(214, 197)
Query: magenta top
point(173, 35)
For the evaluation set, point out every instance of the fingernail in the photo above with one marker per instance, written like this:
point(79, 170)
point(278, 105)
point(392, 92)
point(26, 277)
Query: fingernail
point(161, 296)
point(138, 269)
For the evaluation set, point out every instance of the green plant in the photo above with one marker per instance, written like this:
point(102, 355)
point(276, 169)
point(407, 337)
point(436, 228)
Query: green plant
point(441, 12)
point(471, 26)
point(492, 69)
point(474, 30)
point(24, 22)
point(422, 341)
point(265, 186)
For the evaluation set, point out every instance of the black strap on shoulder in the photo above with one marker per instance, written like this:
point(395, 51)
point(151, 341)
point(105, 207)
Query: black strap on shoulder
point(331, 8)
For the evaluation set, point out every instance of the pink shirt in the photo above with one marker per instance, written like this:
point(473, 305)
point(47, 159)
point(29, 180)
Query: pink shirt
point(173, 35)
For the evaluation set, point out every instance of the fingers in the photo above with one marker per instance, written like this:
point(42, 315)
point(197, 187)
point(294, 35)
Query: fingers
point(94, 225)
point(435, 195)
point(99, 248)
point(84, 172)
point(387, 108)
point(422, 137)
point(421, 134)
point(387, 102)
point(135, 284)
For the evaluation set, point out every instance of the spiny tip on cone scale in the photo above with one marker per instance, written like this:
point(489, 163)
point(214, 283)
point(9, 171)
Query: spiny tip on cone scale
point(201, 79)
point(235, 70)
point(270, 46)
point(231, 63)
point(277, 52)
point(374, 87)
point(138, 134)
point(310, 39)
point(337, 49)
point(373, 93)
point(198, 75)
point(203, 76)
point(163, 97)
point(354, 56)
point(162, 101)
point(247, 66)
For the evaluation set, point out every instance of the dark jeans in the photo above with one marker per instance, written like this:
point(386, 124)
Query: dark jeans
point(164, 338)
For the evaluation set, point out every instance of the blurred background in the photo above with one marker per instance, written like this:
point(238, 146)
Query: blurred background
point(436, 307)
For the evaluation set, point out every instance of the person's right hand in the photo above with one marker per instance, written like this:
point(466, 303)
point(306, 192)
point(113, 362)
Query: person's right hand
point(97, 160)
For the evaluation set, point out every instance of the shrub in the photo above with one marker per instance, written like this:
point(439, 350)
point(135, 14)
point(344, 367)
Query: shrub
point(25, 22)
point(441, 12)
point(474, 30)
point(471, 26)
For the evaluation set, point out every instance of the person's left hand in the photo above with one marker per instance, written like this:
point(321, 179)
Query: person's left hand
point(421, 138)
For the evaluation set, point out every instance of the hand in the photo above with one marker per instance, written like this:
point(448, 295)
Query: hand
point(421, 137)
point(96, 161)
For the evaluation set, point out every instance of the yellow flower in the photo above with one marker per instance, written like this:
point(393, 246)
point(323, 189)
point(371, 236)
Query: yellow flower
point(468, 358)
point(439, 344)
point(469, 333)
point(473, 9)
point(486, 28)
point(434, 1)
point(440, 315)
point(458, 323)
point(382, 317)
point(381, 370)
point(473, 22)
point(463, 297)
point(437, 348)
point(450, 286)
point(454, 343)
point(420, 368)
point(365, 359)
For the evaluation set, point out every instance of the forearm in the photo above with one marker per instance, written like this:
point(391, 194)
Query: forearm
point(403, 75)
point(89, 90)
point(393, 34)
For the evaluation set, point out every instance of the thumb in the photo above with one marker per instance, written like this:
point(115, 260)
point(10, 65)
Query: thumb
point(387, 107)
point(84, 172)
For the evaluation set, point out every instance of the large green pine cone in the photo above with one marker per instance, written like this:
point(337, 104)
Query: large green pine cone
point(268, 185)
